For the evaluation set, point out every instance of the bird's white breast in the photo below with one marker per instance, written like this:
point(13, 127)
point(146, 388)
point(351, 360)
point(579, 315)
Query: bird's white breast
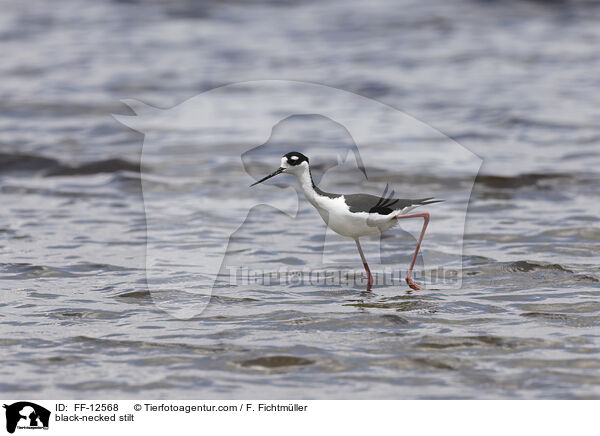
point(336, 214)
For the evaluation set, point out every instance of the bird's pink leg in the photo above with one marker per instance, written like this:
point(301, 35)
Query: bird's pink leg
point(362, 256)
point(425, 216)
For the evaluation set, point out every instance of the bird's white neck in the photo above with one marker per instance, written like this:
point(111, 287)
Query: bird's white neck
point(307, 185)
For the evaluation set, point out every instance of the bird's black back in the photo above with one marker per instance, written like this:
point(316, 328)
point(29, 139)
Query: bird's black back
point(382, 205)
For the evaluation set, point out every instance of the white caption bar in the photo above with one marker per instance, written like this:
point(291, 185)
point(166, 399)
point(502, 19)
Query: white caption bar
point(297, 417)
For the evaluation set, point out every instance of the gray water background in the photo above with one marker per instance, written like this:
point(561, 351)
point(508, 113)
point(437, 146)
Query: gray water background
point(516, 82)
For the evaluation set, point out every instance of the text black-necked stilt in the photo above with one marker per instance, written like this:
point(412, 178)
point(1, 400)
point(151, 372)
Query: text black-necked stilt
point(355, 215)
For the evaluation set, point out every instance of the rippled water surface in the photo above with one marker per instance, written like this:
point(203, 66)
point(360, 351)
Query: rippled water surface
point(516, 83)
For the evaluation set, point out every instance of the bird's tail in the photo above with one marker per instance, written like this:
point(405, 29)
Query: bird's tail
point(429, 200)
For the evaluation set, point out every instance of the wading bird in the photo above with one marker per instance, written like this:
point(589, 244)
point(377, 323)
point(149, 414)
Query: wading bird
point(355, 215)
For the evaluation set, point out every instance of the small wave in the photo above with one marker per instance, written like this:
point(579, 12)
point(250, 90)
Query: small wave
point(16, 271)
point(135, 346)
point(554, 268)
point(586, 307)
point(580, 233)
point(276, 362)
point(580, 321)
point(580, 363)
point(85, 314)
point(138, 295)
point(29, 163)
point(551, 124)
point(526, 266)
point(101, 166)
point(514, 182)
point(399, 306)
point(543, 315)
point(25, 163)
point(30, 271)
point(523, 273)
point(55, 360)
point(111, 386)
point(396, 319)
point(484, 341)
point(96, 268)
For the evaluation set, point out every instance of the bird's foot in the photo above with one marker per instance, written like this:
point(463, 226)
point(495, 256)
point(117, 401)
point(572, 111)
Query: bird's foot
point(412, 283)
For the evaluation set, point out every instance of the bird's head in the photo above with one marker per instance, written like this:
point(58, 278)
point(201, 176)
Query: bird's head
point(293, 163)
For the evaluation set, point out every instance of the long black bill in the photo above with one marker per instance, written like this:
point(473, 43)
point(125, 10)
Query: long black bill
point(279, 171)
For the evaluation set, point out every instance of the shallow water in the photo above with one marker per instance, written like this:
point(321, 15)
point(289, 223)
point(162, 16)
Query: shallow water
point(514, 82)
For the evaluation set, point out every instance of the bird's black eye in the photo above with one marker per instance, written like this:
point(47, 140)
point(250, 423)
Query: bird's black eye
point(294, 158)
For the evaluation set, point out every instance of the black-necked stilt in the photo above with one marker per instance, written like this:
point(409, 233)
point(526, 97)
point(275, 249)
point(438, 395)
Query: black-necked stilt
point(355, 215)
